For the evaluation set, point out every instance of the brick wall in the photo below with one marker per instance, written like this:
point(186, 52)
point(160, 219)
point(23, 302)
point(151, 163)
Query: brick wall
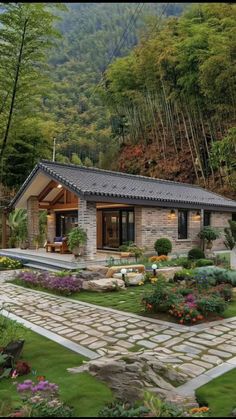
point(152, 223)
point(88, 221)
point(33, 220)
point(219, 220)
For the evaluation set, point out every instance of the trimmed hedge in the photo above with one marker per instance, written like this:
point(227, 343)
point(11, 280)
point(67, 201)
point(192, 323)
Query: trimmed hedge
point(196, 253)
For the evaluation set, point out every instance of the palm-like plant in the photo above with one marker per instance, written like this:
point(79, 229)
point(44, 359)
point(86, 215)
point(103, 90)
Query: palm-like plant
point(17, 222)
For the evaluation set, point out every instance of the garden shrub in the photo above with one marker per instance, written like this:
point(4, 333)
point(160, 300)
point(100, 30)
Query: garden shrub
point(217, 275)
point(64, 285)
point(122, 410)
point(161, 258)
point(183, 275)
point(211, 304)
point(196, 253)
point(10, 263)
point(163, 246)
point(225, 291)
point(162, 298)
point(204, 262)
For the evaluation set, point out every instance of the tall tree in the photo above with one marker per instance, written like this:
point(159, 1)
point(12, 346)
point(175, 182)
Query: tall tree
point(26, 33)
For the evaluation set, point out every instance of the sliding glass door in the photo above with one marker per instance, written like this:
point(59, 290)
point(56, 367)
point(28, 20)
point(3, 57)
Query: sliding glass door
point(117, 227)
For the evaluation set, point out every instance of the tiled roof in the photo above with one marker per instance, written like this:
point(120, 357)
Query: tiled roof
point(103, 183)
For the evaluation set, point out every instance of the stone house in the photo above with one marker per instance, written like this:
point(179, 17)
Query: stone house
point(116, 207)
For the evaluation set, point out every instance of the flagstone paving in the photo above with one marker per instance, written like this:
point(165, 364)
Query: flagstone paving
point(195, 350)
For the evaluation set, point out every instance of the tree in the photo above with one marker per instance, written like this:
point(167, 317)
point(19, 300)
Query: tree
point(26, 33)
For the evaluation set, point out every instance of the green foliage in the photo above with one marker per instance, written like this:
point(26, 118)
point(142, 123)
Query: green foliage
point(230, 235)
point(209, 234)
point(124, 410)
point(9, 263)
point(183, 275)
point(160, 408)
point(162, 297)
point(211, 304)
point(196, 253)
point(77, 237)
point(163, 246)
point(204, 262)
point(217, 275)
point(10, 330)
point(17, 221)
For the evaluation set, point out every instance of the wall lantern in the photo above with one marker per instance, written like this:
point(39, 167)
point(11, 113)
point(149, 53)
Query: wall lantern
point(198, 215)
point(154, 268)
point(123, 272)
point(59, 186)
point(172, 214)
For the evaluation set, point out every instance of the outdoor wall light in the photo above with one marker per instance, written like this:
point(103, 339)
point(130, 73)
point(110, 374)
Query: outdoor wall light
point(59, 186)
point(123, 272)
point(172, 213)
point(198, 215)
point(154, 268)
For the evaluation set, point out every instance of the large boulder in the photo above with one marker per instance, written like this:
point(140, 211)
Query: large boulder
point(133, 278)
point(98, 268)
point(129, 376)
point(89, 275)
point(103, 284)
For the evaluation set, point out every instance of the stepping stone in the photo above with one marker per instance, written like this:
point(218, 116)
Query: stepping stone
point(227, 348)
point(173, 341)
point(202, 364)
point(222, 328)
point(121, 336)
point(187, 349)
point(212, 359)
point(160, 338)
point(146, 344)
point(191, 369)
point(220, 353)
point(98, 344)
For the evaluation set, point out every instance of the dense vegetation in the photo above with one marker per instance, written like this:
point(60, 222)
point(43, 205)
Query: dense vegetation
point(174, 98)
point(165, 105)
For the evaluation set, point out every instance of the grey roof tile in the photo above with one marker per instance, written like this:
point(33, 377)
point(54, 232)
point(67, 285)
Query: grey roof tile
point(98, 182)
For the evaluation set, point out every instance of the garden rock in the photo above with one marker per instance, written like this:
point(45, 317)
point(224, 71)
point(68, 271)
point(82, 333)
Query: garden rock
point(141, 370)
point(88, 275)
point(133, 278)
point(103, 284)
point(169, 273)
point(98, 268)
point(116, 269)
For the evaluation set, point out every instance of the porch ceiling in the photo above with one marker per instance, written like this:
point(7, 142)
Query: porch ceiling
point(34, 188)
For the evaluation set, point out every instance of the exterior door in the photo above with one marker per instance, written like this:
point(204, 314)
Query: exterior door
point(111, 229)
point(65, 221)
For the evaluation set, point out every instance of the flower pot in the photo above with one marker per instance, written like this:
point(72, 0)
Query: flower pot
point(209, 245)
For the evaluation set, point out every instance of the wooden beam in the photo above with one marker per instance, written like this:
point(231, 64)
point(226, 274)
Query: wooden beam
point(59, 195)
point(63, 206)
point(51, 185)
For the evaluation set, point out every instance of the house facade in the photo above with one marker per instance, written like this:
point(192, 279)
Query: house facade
point(115, 208)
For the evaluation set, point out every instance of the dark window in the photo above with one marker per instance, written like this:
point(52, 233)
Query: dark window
point(182, 224)
point(65, 221)
point(207, 218)
point(234, 216)
point(117, 227)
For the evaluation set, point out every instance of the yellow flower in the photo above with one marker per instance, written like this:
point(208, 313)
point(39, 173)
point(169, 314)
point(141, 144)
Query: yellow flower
point(141, 283)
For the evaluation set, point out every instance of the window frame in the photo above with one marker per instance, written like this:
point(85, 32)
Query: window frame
point(185, 235)
point(208, 214)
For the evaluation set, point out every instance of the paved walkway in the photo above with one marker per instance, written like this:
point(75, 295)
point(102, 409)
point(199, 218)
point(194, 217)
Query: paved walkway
point(200, 351)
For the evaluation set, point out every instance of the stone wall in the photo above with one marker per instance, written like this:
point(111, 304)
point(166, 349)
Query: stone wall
point(88, 221)
point(33, 220)
point(51, 226)
point(152, 223)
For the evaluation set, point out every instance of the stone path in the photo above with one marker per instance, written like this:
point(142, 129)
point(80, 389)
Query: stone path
point(199, 351)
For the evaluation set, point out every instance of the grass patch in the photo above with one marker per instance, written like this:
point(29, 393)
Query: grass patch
point(135, 348)
point(219, 395)
point(85, 393)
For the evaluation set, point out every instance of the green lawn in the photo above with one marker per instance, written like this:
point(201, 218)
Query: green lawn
point(85, 393)
point(219, 395)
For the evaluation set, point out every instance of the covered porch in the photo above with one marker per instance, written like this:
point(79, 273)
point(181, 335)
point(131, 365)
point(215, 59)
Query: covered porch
point(108, 225)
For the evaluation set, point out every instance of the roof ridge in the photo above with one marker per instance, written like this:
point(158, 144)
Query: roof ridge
point(149, 178)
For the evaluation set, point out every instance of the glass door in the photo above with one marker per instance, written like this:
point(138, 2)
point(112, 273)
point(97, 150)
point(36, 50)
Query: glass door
point(65, 221)
point(111, 229)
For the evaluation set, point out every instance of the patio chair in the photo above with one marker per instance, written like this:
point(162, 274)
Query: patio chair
point(59, 243)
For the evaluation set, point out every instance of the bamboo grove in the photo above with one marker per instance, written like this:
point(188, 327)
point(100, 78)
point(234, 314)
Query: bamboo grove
point(176, 90)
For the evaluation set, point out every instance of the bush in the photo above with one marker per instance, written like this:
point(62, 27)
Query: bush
point(217, 275)
point(196, 253)
point(9, 263)
point(122, 410)
point(183, 275)
point(224, 291)
point(157, 259)
point(204, 262)
point(162, 298)
point(163, 246)
point(211, 304)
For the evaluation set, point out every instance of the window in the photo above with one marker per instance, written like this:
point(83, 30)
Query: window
point(207, 218)
point(182, 224)
point(234, 216)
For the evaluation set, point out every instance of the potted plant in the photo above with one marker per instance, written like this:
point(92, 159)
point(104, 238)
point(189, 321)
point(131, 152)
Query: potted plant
point(230, 242)
point(209, 234)
point(76, 240)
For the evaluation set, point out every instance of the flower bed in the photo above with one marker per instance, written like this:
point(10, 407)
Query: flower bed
point(62, 284)
point(190, 303)
point(9, 263)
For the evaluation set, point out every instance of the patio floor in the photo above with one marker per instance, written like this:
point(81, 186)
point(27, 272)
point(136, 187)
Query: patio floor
point(35, 258)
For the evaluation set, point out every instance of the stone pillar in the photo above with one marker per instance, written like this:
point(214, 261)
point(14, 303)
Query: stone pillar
point(51, 226)
point(87, 219)
point(33, 220)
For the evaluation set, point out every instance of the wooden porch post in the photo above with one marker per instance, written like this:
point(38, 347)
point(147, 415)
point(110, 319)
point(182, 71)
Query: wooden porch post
point(4, 228)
